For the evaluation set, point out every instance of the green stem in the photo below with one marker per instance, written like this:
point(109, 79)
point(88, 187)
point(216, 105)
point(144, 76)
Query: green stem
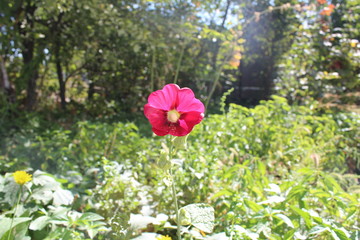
point(12, 220)
point(179, 64)
point(177, 210)
point(178, 232)
point(216, 80)
point(152, 76)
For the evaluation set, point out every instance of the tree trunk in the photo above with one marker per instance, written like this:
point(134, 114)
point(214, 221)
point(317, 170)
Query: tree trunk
point(30, 73)
point(30, 67)
point(56, 30)
point(62, 83)
point(91, 91)
point(5, 83)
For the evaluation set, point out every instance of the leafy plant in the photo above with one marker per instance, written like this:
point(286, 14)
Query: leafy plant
point(44, 211)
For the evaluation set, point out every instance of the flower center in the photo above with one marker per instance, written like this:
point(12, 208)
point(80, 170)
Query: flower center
point(173, 116)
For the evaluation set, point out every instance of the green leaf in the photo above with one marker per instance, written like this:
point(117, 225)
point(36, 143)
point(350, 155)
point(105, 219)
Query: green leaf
point(164, 162)
point(273, 199)
point(241, 230)
point(21, 231)
point(224, 192)
point(11, 190)
point(261, 168)
point(334, 235)
point(355, 235)
point(6, 222)
point(39, 223)
point(180, 142)
point(44, 179)
point(289, 234)
point(286, 220)
point(168, 179)
point(297, 192)
point(136, 48)
point(62, 197)
point(199, 215)
point(318, 229)
point(41, 195)
point(306, 216)
point(331, 183)
point(90, 216)
point(254, 206)
point(341, 234)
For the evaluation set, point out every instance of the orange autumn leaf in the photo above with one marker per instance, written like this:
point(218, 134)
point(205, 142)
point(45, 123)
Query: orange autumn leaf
point(327, 10)
point(234, 63)
point(321, 1)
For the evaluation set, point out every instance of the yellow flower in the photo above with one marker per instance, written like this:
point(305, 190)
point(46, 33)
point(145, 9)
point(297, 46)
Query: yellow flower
point(353, 42)
point(21, 177)
point(164, 238)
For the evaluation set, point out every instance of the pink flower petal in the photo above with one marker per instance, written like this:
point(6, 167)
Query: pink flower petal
point(166, 98)
point(187, 101)
point(160, 132)
point(180, 129)
point(186, 123)
point(157, 117)
point(192, 118)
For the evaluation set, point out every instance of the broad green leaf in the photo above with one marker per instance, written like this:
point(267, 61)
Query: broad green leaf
point(45, 179)
point(11, 190)
point(6, 222)
point(21, 231)
point(43, 196)
point(39, 223)
point(62, 197)
point(199, 215)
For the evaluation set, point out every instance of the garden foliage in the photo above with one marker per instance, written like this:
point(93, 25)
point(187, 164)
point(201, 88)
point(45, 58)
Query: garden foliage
point(271, 172)
point(76, 74)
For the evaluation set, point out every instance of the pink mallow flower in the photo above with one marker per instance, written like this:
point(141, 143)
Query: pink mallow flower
point(173, 110)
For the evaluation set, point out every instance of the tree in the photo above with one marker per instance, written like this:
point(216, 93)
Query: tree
point(322, 62)
point(267, 37)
